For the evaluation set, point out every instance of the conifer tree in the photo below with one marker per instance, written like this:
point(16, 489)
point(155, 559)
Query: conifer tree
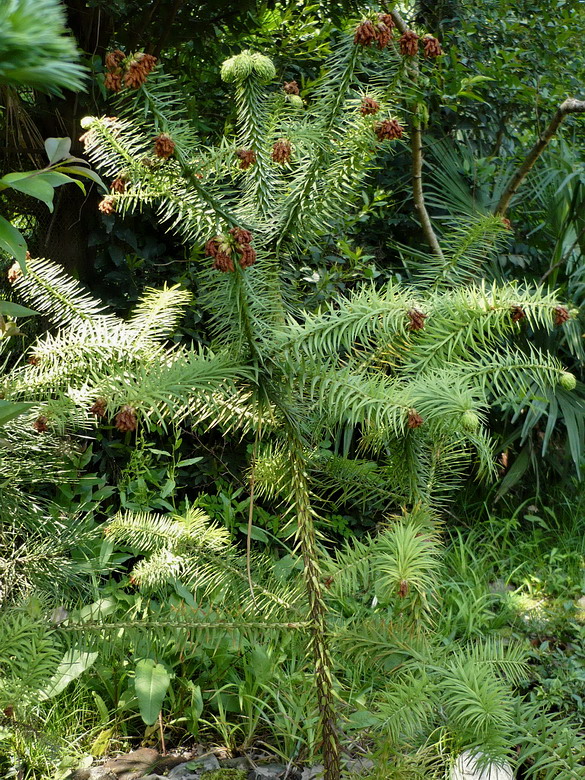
point(411, 370)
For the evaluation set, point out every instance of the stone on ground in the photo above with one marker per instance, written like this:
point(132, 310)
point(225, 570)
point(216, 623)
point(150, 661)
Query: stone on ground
point(466, 768)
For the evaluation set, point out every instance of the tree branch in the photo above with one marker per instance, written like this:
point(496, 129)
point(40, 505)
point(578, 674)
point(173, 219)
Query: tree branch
point(417, 158)
point(570, 106)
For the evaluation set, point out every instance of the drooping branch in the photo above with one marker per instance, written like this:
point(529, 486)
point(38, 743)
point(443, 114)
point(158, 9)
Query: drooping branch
point(417, 157)
point(569, 106)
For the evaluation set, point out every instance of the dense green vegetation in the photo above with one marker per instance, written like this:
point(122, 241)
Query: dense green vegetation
point(291, 418)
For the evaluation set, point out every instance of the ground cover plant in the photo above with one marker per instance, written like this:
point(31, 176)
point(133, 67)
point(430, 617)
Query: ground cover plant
point(138, 607)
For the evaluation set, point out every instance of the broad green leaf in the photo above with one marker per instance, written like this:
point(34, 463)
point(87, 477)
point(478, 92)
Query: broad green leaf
point(11, 409)
point(31, 183)
point(12, 241)
point(188, 462)
point(73, 664)
point(57, 149)
point(101, 744)
point(77, 170)
point(255, 533)
point(9, 309)
point(151, 682)
point(56, 179)
point(260, 664)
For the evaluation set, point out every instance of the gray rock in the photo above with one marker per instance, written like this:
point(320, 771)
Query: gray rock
point(359, 766)
point(182, 772)
point(195, 768)
point(466, 768)
point(135, 764)
point(95, 773)
point(313, 772)
point(268, 772)
point(153, 777)
point(236, 763)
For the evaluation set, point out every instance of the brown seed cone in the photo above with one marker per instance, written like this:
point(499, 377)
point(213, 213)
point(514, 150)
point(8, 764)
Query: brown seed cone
point(138, 70)
point(414, 419)
point(126, 420)
point(248, 256)
point(517, 313)
point(113, 81)
point(281, 151)
point(369, 106)
point(365, 34)
point(403, 589)
point(247, 157)
point(241, 236)
point(388, 130)
point(114, 59)
point(135, 76)
point(506, 223)
point(387, 20)
point(383, 35)
point(147, 61)
point(99, 408)
point(107, 205)
point(33, 360)
point(561, 315)
point(164, 146)
point(223, 262)
point(118, 185)
point(212, 247)
point(291, 88)
point(432, 47)
point(409, 43)
point(417, 319)
point(40, 424)
point(15, 271)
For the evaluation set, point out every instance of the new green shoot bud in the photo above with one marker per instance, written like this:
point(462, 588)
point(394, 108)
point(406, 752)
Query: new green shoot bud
point(567, 381)
point(470, 421)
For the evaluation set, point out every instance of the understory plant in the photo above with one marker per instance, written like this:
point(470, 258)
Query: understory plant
point(405, 375)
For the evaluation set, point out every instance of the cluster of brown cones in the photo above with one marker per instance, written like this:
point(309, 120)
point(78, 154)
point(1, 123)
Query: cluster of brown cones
point(131, 71)
point(125, 420)
point(236, 244)
point(380, 31)
point(388, 130)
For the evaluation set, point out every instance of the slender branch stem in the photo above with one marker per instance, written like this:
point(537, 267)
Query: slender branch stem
point(569, 106)
point(417, 157)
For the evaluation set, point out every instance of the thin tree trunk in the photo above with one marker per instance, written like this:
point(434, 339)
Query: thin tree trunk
point(318, 627)
point(570, 106)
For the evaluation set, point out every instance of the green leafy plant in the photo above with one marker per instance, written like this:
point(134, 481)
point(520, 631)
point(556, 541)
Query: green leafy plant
point(406, 373)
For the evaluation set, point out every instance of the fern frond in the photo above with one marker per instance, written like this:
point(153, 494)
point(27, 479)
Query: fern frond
point(57, 295)
point(360, 320)
point(29, 655)
point(156, 315)
point(509, 659)
point(468, 321)
point(406, 707)
point(468, 245)
point(478, 709)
